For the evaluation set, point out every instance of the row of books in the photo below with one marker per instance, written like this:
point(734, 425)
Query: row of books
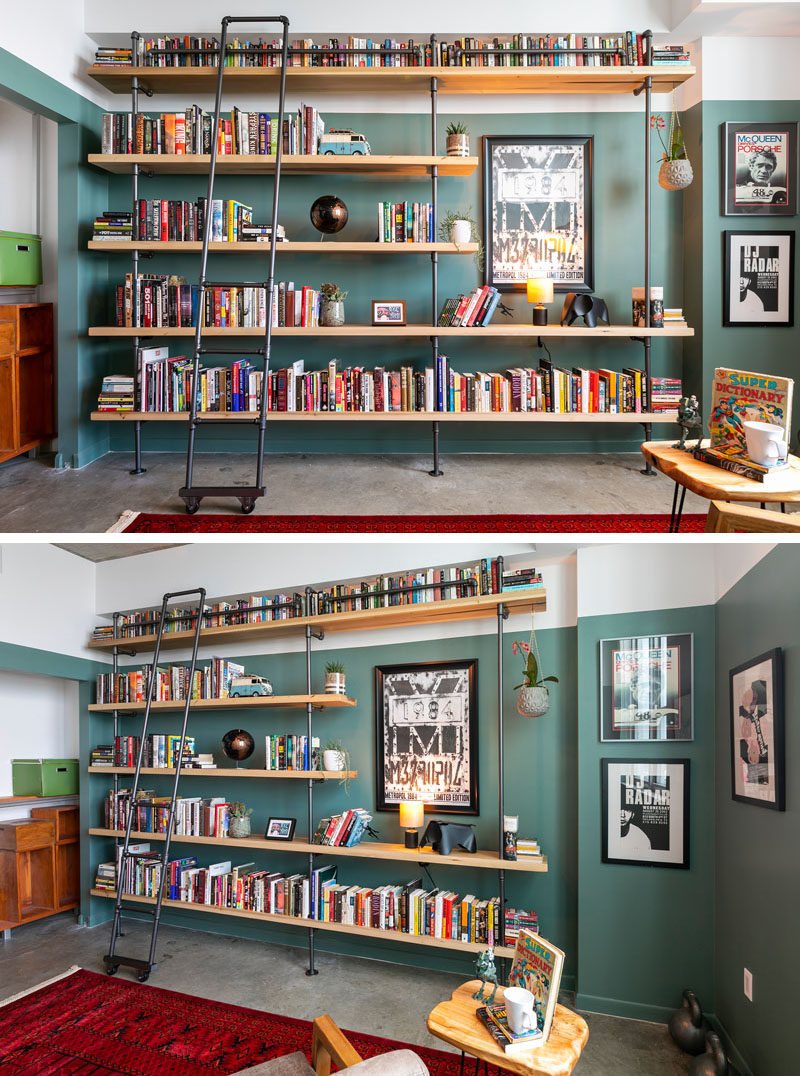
point(287, 751)
point(161, 301)
point(517, 919)
point(344, 830)
point(172, 684)
point(160, 750)
point(190, 132)
point(171, 220)
point(383, 591)
point(552, 50)
point(406, 222)
point(194, 816)
point(473, 309)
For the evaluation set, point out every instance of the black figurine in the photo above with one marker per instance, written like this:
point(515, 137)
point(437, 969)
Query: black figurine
point(590, 307)
point(690, 421)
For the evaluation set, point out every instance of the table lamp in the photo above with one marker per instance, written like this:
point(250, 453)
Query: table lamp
point(412, 815)
point(540, 291)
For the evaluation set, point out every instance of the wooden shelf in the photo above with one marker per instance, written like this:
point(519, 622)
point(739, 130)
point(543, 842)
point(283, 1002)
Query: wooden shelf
point(390, 416)
point(484, 605)
point(315, 924)
point(484, 80)
point(366, 850)
point(304, 775)
point(125, 246)
point(509, 332)
point(291, 164)
point(283, 702)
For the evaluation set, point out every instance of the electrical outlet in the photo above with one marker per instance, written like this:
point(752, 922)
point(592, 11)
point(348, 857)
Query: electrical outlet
point(748, 984)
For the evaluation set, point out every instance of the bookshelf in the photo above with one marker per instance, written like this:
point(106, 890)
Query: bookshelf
point(498, 606)
point(388, 80)
point(258, 702)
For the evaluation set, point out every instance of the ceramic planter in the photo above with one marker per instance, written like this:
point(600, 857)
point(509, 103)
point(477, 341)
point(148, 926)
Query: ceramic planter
point(332, 313)
point(333, 760)
point(533, 701)
point(335, 683)
point(458, 145)
point(461, 233)
point(239, 827)
point(675, 175)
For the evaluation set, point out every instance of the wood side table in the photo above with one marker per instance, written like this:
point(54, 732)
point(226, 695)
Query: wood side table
point(454, 1021)
point(714, 483)
point(27, 871)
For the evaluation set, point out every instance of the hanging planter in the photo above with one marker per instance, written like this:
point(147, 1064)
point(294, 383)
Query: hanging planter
point(675, 173)
point(533, 699)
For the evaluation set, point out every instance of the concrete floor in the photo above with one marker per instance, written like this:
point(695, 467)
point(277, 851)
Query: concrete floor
point(36, 498)
point(358, 994)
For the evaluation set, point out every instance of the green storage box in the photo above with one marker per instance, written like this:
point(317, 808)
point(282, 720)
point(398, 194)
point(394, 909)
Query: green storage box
point(44, 776)
point(20, 259)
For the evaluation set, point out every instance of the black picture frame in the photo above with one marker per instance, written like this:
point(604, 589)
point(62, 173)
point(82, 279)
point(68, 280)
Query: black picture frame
point(551, 176)
point(430, 751)
point(759, 169)
point(283, 829)
point(658, 706)
point(656, 830)
point(768, 298)
point(758, 749)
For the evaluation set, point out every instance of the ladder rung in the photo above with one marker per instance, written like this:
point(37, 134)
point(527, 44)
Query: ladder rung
point(234, 284)
point(139, 908)
point(219, 351)
point(222, 491)
point(129, 962)
point(230, 421)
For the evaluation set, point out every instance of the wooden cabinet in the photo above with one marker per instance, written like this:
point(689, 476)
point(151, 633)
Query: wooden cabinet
point(27, 414)
point(27, 871)
point(66, 822)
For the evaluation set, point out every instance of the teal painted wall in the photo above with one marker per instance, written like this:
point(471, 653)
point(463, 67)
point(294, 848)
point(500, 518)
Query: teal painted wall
point(618, 260)
point(763, 350)
point(757, 850)
point(539, 772)
point(645, 932)
point(82, 193)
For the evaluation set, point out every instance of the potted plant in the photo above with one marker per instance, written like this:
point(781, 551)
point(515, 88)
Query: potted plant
point(336, 757)
point(239, 824)
point(457, 140)
point(458, 227)
point(334, 678)
point(533, 699)
point(675, 173)
point(333, 298)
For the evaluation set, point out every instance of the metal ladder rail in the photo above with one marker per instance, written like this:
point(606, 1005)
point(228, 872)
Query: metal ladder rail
point(246, 495)
point(112, 960)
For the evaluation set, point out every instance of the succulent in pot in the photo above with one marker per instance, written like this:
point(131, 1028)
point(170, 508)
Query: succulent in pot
point(675, 172)
point(333, 298)
point(239, 821)
point(457, 140)
point(335, 679)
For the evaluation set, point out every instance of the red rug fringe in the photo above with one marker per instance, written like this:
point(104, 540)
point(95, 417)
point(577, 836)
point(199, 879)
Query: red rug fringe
point(92, 1025)
point(148, 523)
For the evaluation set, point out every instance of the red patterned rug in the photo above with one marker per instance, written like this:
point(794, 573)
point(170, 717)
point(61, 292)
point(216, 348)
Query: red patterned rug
point(145, 522)
point(91, 1025)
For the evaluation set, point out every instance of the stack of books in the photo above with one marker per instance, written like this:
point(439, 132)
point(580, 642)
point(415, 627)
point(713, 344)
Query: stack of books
point(112, 225)
point(674, 55)
point(405, 222)
point(517, 919)
point(260, 233)
point(474, 309)
point(102, 755)
point(495, 1020)
point(116, 393)
point(673, 315)
point(527, 848)
point(521, 579)
point(665, 393)
point(106, 877)
point(344, 830)
point(199, 762)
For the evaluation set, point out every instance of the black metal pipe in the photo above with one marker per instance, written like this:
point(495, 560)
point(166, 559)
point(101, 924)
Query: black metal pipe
point(436, 471)
point(502, 614)
point(137, 426)
point(311, 970)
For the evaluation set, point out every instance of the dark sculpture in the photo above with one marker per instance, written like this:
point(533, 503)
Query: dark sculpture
point(713, 1062)
point(591, 307)
point(690, 421)
point(238, 744)
point(687, 1027)
point(443, 837)
point(329, 214)
point(486, 971)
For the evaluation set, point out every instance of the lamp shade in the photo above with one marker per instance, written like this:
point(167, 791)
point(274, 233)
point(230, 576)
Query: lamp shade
point(412, 815)
point(540, 289)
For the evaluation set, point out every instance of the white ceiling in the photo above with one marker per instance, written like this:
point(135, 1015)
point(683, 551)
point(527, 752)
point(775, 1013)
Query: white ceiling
point(99, 551)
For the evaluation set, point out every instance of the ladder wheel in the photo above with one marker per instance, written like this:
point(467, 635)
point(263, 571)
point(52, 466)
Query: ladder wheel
point(248, 504)
point(192, 506)
point(112, 969)
point(143, 976)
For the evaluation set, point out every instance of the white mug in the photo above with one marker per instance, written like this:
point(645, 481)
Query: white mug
point(519, 1009)
point(765, 443)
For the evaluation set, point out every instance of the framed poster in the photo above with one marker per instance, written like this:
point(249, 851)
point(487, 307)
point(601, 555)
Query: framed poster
point(537, 201)
point(427, 735)
point(645, 811)
point(646, 688)
point(759, 169)
point(759, 279)
point(757, 731)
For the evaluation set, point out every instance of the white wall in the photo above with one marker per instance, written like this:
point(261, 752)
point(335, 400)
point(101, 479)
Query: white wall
point(40, 720)
point(46, 598)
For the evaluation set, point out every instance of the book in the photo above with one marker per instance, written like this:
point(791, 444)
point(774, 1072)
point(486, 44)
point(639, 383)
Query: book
point(736, 463)
point(537, 967)
point(502, 1034)
point(739, 396)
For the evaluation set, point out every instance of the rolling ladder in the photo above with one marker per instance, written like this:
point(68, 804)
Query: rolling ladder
point(113, 961)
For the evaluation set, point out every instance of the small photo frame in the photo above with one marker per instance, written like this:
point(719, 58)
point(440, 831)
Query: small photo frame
point(388, 312)
point(280, 829)
point(759, 279)
point(646, 688)
point(757, 731)
point(759, 169)
point(645, 811)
